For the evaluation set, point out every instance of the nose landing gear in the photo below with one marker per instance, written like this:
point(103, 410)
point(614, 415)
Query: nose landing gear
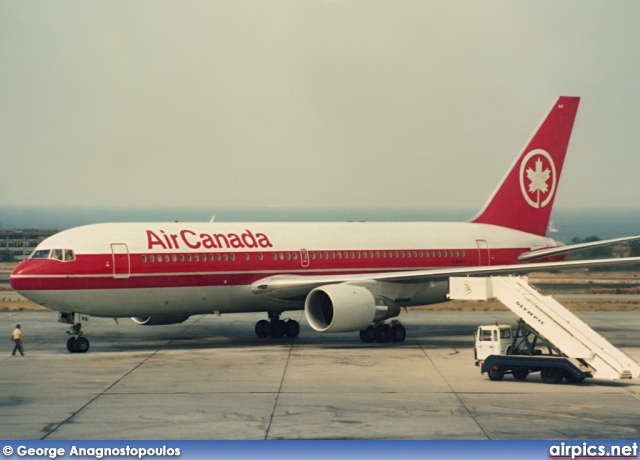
point(77, 343)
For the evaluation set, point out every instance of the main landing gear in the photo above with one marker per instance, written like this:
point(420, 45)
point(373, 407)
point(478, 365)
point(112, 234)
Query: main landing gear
point(383, 333)
point(77, 343)
point(276, 327)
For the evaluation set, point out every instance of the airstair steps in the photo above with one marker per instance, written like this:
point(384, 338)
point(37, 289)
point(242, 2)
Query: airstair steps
point(572, 336)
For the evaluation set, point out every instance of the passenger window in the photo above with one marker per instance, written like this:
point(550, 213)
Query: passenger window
point(246, 256)
point(260, 257)
point(196, 258)
point(295, 256)
point(166, 258)
point(144, 258)
point(225, 257)
point(174, 258)
point(152, 259)
point(188, 257)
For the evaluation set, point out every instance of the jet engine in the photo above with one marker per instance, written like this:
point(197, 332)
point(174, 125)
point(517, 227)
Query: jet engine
point(345, 307)
point(158, 320)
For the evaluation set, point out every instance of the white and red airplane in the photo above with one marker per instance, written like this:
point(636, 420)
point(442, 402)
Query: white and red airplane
point(346, 276)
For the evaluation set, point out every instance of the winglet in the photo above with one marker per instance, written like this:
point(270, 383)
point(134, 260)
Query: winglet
point(524, 198)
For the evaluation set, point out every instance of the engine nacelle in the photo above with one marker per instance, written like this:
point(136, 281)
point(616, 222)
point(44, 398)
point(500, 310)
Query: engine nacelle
point(158, 320)
point(344, 307)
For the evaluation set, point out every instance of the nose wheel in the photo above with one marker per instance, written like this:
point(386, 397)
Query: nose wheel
point(76, 343)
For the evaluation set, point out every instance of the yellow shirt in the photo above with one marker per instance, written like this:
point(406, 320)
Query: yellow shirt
point(16, 335)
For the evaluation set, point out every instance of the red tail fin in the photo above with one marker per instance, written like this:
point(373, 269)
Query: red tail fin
point(524, 198)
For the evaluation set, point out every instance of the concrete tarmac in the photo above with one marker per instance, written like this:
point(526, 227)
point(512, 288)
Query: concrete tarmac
point(212, 378)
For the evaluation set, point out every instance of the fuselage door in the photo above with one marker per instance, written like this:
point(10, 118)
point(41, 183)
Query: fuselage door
point(304, 257)
point(121, 261)
point(484, 255)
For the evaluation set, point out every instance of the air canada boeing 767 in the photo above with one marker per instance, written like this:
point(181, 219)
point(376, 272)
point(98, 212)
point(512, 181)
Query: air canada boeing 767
point(346, 276)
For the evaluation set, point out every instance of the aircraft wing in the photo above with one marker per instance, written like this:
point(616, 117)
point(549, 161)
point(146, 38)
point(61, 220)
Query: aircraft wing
point(293, 286)
point(542, 253)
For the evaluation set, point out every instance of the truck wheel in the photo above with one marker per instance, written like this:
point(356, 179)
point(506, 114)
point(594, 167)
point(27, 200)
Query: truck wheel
point(569, 377)
point(520, 374)
point(551, 375)
point(496, 373)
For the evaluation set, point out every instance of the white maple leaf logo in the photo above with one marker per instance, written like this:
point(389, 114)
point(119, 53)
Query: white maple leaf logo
point(538, 179)
point(541, 177)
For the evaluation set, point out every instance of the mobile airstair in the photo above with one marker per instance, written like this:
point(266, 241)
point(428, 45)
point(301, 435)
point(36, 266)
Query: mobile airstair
point(571, 338)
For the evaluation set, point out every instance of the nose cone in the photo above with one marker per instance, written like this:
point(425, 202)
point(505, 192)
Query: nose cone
point(22, 277)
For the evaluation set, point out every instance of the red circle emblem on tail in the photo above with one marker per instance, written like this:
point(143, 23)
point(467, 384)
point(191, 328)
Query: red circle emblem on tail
point(538, 178)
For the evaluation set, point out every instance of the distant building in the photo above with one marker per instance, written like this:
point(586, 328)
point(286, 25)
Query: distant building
point(20, 243)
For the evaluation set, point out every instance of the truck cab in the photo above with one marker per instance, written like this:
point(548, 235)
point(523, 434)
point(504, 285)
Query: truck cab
point(492, 340)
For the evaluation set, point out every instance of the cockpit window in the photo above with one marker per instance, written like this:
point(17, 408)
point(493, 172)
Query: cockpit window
point(65, 255)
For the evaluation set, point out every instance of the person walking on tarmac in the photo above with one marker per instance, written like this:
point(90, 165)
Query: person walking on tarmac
point(16, 336)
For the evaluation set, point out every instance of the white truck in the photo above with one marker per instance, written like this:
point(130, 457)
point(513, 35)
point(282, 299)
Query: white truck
point(502, 349)
point(549, 338)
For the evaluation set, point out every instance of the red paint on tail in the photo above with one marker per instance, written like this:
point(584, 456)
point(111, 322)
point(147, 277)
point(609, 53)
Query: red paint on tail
point(524, 198)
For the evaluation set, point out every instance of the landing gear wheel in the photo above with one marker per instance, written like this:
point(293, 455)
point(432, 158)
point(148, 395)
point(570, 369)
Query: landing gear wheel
point(551, 375)
point(278, 328)
point(292, 328)
point(71, 344)
point(262, 328)
point(520, 374)
point(81, 345)
point(496, 373)
point(398, 333)
point(366, 335)
point(381, 333)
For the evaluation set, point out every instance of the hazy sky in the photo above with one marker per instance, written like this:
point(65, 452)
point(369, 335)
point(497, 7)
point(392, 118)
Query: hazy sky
point(310, 102)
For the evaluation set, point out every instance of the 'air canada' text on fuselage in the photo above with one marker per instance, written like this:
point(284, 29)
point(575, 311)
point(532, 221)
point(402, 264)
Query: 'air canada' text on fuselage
point(192, 240)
